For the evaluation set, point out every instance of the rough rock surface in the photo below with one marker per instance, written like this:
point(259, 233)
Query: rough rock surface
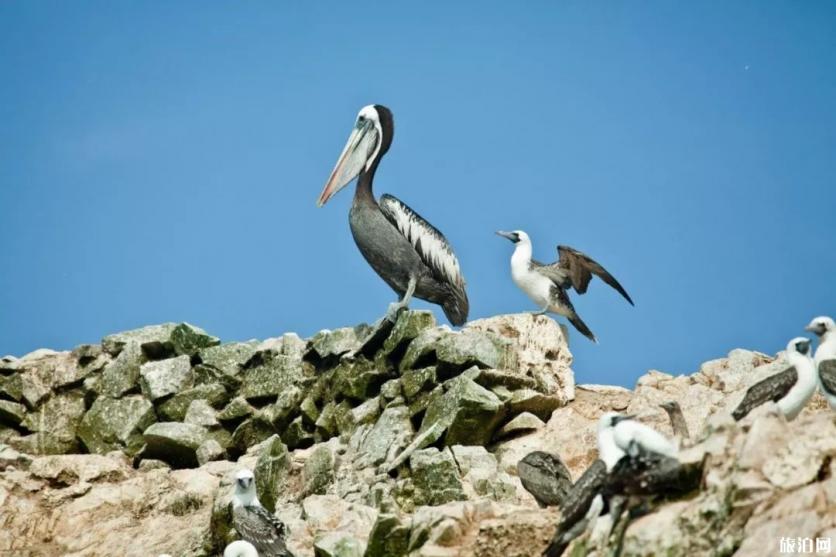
point(395, 440)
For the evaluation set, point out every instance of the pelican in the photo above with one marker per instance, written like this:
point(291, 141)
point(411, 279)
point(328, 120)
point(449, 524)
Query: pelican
point(406, 251)
point(546, 285)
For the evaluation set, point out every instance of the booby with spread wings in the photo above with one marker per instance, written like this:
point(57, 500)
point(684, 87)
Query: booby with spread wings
point(406, 251)
point(547, 284)
point(825, 358)
point(790, 389)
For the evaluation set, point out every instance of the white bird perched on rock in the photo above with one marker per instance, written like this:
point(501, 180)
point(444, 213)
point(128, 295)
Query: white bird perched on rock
point(825, 358)
point(620, 435)
point(547, 285)
point(240, 548)
point(255, 523)
point(790, 389)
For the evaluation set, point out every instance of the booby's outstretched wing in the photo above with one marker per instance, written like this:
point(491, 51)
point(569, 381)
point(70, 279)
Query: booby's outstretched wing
point(432, 247)
point(827, 374)
point(262, 529)
point(577, 268)
point(773, 388)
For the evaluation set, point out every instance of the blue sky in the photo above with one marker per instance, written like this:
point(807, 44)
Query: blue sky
point(160, 161)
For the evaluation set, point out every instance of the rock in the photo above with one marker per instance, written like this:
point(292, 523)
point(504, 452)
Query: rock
point(542, 352)
point(359, 379)
point(188, 339)
point(237, 409)
point(522, 423)
point(467, 411)
point(271, 471)
point(113, 424)
point(338, 544)
point(174, 409)
point(154, 340)
point(407, 327)
point(318, 472)
point(223, 363)
point(55, 423)
point(208, 451)
point(121, 375)
point(201, 413)
point(330, 345)
point(11, 387)
point(435, 476)
point(454, 352)
point(390, 433)
point(528, 400)
point(165, 377)
point(269, 375)
point(389, 537)
point(416, 380)
point(251, 431)
point(174, 442)
point(296, 436)
point(546, 477)
point(11, 413)
point(64, 470)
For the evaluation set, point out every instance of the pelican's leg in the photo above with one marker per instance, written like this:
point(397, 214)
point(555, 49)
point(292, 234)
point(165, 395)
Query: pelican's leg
point(396, 307)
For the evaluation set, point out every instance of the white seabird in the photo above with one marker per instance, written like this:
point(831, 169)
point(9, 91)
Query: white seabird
point(547, 284)
point(253, 522)
point(240, 548)
point(790, 389)
point(619, 437)
point(825, 358)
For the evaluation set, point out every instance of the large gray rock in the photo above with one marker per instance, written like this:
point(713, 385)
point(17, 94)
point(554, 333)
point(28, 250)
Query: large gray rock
point(467, 412)
point(328, 345)
point(271, 471)
point(546, 477)
point(390, 433)
point(55, 423)
point(223, 363)
point(269, 374)
point(116, 424)
point(389, 537)
point(435, 477)
point(407, 327)
point(122, 374)
point(154, 340)
point(165, 377)
point(11, 413)
point(188, 339)
point(318, 472)
point(174, 409)
point(338, 544)
point(174, 442)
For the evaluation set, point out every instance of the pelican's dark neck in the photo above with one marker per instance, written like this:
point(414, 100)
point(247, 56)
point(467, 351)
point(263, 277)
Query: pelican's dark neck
point(364, 184)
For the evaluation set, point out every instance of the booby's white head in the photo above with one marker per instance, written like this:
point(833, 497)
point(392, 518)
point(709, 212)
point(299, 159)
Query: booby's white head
point(608, 451)
point(515, 236)
point(799, 346)
point(245, 494)
point(240, 548)
point(368, 142)
point(821, 326)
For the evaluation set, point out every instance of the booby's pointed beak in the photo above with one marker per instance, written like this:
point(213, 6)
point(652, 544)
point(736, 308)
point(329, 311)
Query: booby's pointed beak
point(354, 158)
point(508, 235)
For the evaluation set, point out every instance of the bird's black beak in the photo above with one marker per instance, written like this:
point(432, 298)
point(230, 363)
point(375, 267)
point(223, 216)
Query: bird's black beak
point(513, 236)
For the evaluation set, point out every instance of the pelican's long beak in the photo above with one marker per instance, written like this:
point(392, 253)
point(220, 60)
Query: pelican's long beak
point(354, 158)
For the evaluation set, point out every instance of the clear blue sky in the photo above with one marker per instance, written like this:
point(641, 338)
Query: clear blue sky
point(160, 161)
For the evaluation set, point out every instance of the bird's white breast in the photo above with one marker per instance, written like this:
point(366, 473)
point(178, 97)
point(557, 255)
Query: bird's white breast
point(535, 285)
point(794, 401)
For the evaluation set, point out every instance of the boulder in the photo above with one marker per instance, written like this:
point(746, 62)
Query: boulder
point(189, 340)
point(163, 378)
point(435, 477)
point(121, 375)
point(271, 471)
point(468, 413)
point(269, 374)
point(389, 537)
point(546, 477)
point(114, 424)
point(318, 472)
point(11, 413)
point(174, 442)
point(223, 363)
point(338, 544)
point(174, 409)
point(390, 433)
point(54, 425)
point(408, 326)
point(201, 413)
point(154, 340)
point(208, 451)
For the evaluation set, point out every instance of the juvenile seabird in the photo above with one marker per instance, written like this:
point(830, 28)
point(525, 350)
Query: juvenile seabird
point(240, 548)
point(547, 284)
point(825, 358)
point(620, 440)
point(255, 523)
point(405, 250)
point(791, 388)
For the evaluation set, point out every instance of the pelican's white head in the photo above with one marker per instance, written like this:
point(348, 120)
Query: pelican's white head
point(244, 493)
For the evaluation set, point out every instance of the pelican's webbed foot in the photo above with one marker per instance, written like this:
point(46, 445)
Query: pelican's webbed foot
point(396, 307)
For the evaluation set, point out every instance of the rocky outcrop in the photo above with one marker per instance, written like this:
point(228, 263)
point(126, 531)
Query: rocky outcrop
point(387, 440)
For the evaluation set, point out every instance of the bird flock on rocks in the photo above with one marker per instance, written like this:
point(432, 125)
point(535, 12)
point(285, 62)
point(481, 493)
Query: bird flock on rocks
point(634, 460)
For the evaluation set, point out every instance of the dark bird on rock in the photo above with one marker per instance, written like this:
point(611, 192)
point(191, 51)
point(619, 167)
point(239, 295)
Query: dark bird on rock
point(253, 522)
point(677, 418)
point(545, 477)
point(547, 284)
point(790, 389)
point(406, 251)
